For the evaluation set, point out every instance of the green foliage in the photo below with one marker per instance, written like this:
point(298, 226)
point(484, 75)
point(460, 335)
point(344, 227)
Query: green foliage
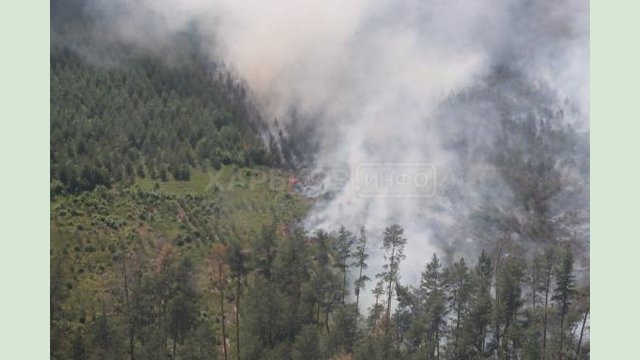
point(148, 169)
point(345, 329)
point(152, 298)
point(393, 244)
point(344, 252)
point(307, 344)
point(100, 238)
point(111, 124)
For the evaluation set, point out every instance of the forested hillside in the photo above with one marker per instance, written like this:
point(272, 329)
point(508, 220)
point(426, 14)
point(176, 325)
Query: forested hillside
point(143, 118)
point(123, 289)
point(176, 232)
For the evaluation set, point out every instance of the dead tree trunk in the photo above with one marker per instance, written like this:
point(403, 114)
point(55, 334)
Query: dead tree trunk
point(584, 321)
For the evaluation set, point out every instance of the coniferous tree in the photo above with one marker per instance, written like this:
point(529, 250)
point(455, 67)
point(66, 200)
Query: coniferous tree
point(326, 288)
point(344, 249)
point(219, 282)
point(563, 293)
point(345, 329)
point(546, 261)
point(237, 261)
point(377, 309)
point(361, 257)
point(265, 250)
point(293, 268)
point(481, 305)
point(307, 344)
point(393, 244)
point(431, 293)
point(183, 309)
point(263, 319)
point(508, 304)
point(78, 348)
point(459, 291)
point(105, 342)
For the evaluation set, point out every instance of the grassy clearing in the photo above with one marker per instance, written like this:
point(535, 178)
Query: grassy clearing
point(90, 232)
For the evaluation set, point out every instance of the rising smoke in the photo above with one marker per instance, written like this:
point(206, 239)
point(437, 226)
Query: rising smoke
point(493, 94)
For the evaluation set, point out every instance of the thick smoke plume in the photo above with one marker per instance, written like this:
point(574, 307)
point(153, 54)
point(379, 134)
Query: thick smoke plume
point(493, 94)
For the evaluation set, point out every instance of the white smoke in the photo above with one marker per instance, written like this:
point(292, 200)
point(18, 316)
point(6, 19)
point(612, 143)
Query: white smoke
point(370, 76)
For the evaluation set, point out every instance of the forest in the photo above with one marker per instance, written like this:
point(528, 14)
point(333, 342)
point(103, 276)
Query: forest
point(292, 295)
point(150, 258)
point(146, 120)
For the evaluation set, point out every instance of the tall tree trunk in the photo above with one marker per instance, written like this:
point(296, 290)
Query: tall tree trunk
point(375, 318)
point(544, 321)
point(562, 316)
point(132, 337)
point(458, 311)
point(224, 332)
point(438, 343)
point(505, 341)
point(126, 281)
point(238, 318)
point(389, 289)
point(584, 321)
point(534, 281)
point(132, 330)
point(326, 319)
point(359, 289)
point(497, 321)
point(164, 323)
point(344, 279)
point(175, 341)
point(359, 286)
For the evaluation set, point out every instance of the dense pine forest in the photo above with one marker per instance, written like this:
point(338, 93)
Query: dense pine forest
point(167, 241)
point(286, 294)
point(110, 125)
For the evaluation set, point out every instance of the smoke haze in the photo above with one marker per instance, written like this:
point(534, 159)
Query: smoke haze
point(456, 84)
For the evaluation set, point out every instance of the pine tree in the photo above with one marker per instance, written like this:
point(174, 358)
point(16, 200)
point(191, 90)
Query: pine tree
point(324, 281)
point(293, 271)
point(546, 261)
point(361, 257)
point(263, 318)
point(183, 309)
point(431, 293)
point(393, 245)
point(237, 261)
point(105, 342)
point(265, 250)
point(459, 290)
point(482, 301)
point(307, 346)
point(345, 329)
point(564, 292)
point(377, 308)
point(509, 302)
point(219, 283)
point(344, 245)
